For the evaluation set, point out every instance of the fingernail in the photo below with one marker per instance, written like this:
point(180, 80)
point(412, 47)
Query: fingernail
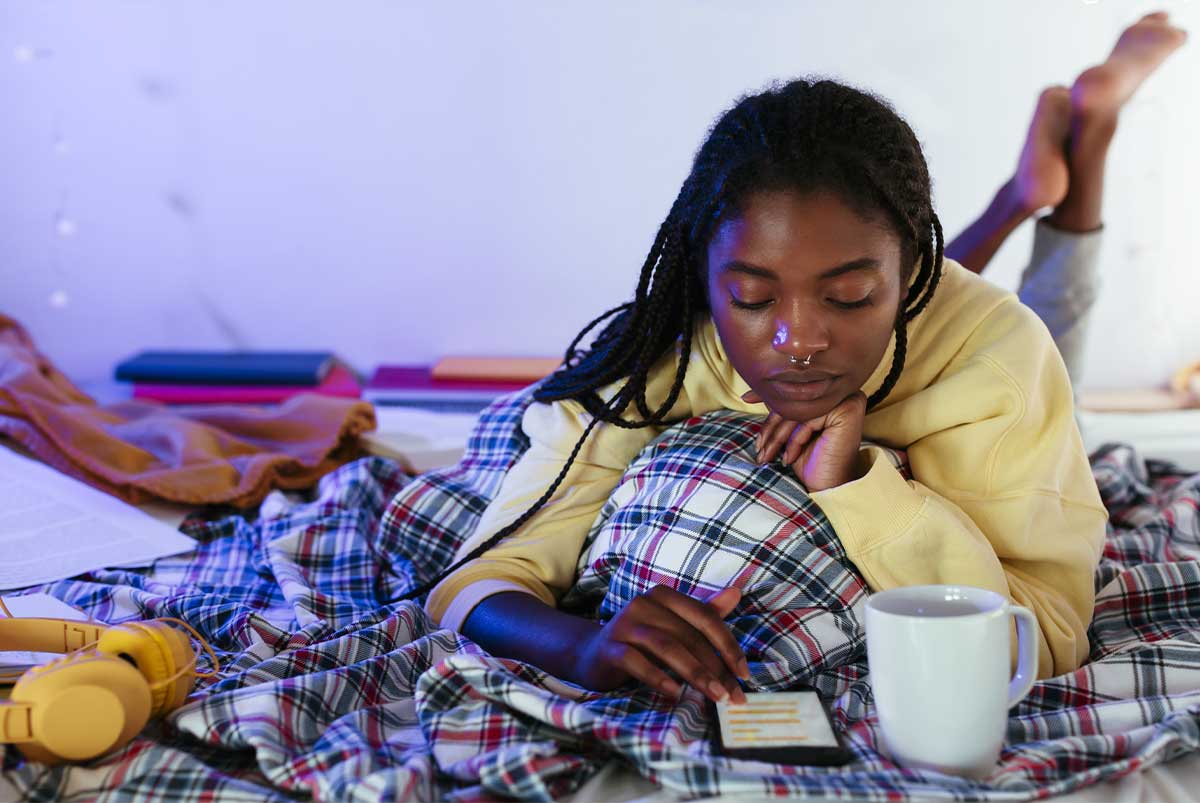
point(743, 669)
point(719, 692)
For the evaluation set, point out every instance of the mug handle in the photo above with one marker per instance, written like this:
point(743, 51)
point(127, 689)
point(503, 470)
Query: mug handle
point(1027, 655)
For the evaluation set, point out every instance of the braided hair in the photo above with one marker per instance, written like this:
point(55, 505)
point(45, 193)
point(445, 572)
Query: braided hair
point(806, 136)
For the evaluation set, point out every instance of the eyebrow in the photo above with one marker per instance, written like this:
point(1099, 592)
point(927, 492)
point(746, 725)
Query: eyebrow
point(862, 263)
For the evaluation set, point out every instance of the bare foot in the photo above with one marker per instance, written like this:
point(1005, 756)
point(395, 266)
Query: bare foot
point(1102, 90)
point(1042, 176)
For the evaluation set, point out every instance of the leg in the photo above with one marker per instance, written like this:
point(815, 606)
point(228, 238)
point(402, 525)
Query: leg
point(1096, 101)
point(1062, 161)
point(1041, 180)
point(1060, 283)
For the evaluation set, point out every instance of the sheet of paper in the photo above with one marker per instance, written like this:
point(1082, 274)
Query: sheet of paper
point(419, 440)
point(37, 606)
point(777, 719)
point(53, 526)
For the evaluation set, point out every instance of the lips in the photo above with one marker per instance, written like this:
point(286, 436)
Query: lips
point(807, 375)
point(807, 385)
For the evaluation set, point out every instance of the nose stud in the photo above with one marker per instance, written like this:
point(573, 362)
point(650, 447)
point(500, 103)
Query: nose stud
point(807, 361)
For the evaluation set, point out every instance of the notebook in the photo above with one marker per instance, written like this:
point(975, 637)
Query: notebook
point(340, 382)
point(414, 384)
point(227, 367)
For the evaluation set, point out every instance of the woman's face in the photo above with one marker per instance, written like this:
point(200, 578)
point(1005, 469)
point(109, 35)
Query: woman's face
point(803, 276)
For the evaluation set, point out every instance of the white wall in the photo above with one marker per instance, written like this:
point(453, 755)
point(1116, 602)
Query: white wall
point(398, 181)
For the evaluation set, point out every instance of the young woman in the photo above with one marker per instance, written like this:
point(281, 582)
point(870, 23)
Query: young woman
point(800, 275)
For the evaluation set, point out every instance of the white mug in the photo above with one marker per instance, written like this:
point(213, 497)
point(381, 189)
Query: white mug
point(939, 659)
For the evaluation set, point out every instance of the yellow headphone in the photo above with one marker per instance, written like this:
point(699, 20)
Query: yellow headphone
point(99, 695)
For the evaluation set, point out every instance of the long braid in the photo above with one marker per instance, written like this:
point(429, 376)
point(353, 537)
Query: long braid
point(657, 313)
point(611, 413)
point(805, 136)
point(914, 302)
point(508, 530)
point(893, 373)
point(594, 368)
point(572, 353)
point(939, 252)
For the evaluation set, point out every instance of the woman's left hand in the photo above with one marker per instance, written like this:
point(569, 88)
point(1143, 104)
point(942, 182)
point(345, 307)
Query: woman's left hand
point(823, 451)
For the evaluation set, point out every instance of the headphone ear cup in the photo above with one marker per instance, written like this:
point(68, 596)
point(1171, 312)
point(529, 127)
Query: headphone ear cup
point(158, 651)
point(84, 706)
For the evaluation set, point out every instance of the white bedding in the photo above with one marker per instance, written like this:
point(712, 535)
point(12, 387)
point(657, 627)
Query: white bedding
point(1176, 782)
point(1169, 435)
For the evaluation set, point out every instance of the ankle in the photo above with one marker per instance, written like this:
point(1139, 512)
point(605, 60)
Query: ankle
point(1011, 205)
point(1091, 134)
point(1073, 224)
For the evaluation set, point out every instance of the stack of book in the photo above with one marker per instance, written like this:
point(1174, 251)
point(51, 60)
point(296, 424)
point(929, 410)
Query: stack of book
point(248, 377)
point(455, 384)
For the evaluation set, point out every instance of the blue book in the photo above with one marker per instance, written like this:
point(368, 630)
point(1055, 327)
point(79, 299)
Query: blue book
point(227, 367)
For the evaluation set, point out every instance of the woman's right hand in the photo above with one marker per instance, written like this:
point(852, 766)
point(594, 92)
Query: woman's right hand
point(664, 629)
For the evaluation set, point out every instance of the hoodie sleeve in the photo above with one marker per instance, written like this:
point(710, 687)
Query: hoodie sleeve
point(1002, 497)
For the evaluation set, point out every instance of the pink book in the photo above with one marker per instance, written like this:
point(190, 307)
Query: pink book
point(393, 384)
point(340, 381)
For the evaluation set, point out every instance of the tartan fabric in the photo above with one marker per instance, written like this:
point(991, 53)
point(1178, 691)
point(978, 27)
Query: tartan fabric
point(731, 522)
point(326, 695)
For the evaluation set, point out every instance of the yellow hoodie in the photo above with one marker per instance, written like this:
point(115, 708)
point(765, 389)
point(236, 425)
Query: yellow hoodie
point(1003, 496)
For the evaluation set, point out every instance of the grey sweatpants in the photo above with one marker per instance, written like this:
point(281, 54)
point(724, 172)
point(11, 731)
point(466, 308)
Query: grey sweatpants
point(1060, 285)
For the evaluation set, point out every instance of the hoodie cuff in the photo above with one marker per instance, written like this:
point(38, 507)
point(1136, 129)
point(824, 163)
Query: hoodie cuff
point(469, 596)
point(872, 509)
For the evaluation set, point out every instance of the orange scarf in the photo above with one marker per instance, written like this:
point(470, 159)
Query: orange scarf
point(140, 451)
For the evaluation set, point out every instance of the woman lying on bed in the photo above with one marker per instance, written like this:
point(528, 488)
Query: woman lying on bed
point(800, 275)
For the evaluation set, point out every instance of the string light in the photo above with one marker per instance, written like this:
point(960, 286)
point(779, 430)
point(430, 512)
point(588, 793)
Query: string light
point(27, 54)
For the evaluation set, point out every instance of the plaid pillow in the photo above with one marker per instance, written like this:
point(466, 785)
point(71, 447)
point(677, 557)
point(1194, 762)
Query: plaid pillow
point(695, 512)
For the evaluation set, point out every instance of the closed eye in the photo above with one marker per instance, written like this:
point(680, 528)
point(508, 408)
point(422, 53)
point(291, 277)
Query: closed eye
point(865, 301)
point(747, 304)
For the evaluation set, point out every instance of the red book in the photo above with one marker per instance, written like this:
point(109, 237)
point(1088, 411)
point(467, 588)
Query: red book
point(410, 384)
point(340, 381)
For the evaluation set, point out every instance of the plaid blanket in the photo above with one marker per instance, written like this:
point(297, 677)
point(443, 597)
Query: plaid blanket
point(325, 694)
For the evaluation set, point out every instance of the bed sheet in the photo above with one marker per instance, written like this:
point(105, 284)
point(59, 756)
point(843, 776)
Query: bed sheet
point(327, 695)
point(1172, 435)
point(1173, 782)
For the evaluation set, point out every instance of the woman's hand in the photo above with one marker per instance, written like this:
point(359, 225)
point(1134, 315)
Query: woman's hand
point(823, 451)
point(664, 629)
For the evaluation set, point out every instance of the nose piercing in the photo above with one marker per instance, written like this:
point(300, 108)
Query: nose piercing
point(807, 361)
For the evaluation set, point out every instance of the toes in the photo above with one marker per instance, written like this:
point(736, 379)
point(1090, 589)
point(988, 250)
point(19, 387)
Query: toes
point(1054, 100)
point(1097, 89)
point(1052, 94)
